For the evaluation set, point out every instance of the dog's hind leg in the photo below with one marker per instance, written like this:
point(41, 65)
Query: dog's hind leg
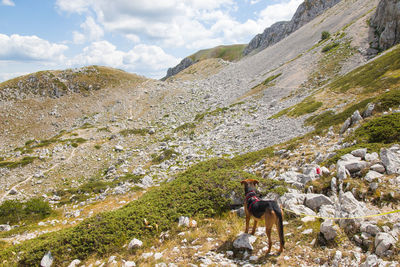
point(269, 222)
point(254, 227)
point(247, 223)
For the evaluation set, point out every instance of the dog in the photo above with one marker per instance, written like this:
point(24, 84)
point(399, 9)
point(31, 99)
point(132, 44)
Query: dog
point(268, 210)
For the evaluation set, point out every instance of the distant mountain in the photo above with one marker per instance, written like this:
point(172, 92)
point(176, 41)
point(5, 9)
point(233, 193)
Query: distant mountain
point(306, 12)
point(225, 52)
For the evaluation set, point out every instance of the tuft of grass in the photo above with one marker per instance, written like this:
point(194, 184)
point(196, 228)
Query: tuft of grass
point(185, 126)
point(14, 164)
point(165, 155)
point(97, 146)
point(128, 132)
point(329, 47)
point(270, 79)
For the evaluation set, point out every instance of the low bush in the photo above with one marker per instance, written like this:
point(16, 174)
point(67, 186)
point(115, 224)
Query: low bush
point(13, 211)
point(385, 129)
point(329, 47)
point(127, 132)
point(325, 35)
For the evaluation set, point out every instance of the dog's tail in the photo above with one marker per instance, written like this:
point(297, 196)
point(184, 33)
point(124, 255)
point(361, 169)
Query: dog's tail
point(279, 214)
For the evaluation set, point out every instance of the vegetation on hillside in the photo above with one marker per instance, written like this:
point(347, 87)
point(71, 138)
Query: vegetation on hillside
point(14, 211)
point(225, 52)
point(202, 191)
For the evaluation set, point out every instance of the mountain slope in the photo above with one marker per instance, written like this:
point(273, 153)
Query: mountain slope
point(306, 12)
point(137, 157)
point(225, 52)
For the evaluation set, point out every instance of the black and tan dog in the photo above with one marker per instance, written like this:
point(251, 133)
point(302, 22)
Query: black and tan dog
point(268, 210)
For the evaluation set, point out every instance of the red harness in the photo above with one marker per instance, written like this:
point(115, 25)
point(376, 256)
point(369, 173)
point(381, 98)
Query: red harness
point(254, 197)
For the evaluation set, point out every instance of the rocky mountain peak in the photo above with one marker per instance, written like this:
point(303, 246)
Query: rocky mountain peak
point(306, 12)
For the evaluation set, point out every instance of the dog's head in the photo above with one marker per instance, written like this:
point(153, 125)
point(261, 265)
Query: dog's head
point(249, 184)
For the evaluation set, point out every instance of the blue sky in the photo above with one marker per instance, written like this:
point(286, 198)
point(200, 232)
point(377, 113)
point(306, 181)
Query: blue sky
point(143, 37)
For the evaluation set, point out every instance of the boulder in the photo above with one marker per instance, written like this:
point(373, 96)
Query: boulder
point(5, 227)
point(128, 264)
point(315, 201)
point(345, 126)
point(352, 164)
point(372, 175)
point(373, 157)
point(74, 263)
point(47, 260)
point(356, 117)
point(371, 261)
point(118, 148)
point(244, 241)
point(368, 112)
point(391, 159)
point(383, 242)
point(359, 152)
point(350, 205)
point(378, 168)
point(329, 229)
point(369, 228)
point(135, 243)
point(327, 211)
point(341, 172)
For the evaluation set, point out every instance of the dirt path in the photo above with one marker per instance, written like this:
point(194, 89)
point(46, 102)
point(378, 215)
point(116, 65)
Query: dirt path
point(30, 177)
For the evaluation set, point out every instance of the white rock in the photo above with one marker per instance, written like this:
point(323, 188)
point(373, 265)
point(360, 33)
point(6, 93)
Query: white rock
point(369, 228)
point(391, 159)
point(351, 205)
point(129, 264)
point(135, 243)
point(184, 221)
point(147, 181)
point(119, 148)
point(325, 171)
point(74, 263)
point(373, 157)
point(5, 227)
point(158, 255)
point(147, 255)
point(307, 231)
point(372, 260)
point(329, 229)
point(337, 258)
point(383, 241)
point(47, 260)
point(111, 259)
point(359, 152)
point(315, 201)
point(378, 168)
point(372, 175)
point(244, 241)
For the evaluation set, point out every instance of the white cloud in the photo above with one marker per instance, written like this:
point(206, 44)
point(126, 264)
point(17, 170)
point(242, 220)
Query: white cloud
point(91, 32)
point(278, 12)
point(4, 76)
point(74, 6)
point(7, 3)
point(30, 48)
point(141, 58)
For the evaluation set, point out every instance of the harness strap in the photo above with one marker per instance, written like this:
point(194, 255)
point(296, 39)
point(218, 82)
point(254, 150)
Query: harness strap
point(251, 195)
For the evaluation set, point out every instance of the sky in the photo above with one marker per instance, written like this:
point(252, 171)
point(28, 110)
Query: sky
point(145, 37)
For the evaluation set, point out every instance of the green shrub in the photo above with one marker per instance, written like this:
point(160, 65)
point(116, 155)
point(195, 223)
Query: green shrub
point(74, 145)
point(385, 129)
point(14, 164)
point(388, 100)
point(13, 211)
point(270, 79)
point(329, 47)
point(97, 146)
point(165, 155)
point(325, 35)
point(378, 75)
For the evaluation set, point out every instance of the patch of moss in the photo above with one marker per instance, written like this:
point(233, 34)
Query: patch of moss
point(329, 47)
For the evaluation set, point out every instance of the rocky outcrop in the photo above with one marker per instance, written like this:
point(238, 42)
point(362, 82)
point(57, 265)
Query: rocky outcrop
point(386, 22)
point(306, 12)
point(185, 63)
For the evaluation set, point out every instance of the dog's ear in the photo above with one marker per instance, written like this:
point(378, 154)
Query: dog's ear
point(243, 182)
point(256, 182)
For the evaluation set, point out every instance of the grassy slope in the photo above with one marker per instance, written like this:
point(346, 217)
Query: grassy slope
point(226, 52)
